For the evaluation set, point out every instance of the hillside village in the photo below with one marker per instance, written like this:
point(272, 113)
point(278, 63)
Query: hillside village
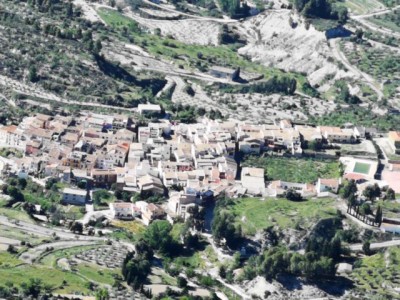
point(213, 149)
point(186, 164)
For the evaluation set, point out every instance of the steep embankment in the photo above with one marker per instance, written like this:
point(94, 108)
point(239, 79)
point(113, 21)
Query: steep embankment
point(281, 38)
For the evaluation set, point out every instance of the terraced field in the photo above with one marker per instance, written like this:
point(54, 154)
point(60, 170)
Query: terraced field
point(379, 274)
point(390, 21)
point(382, 65)
point(360, 7)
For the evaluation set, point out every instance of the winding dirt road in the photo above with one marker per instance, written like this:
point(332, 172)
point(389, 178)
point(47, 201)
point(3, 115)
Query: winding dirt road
point(339, 55)
point(363, 20)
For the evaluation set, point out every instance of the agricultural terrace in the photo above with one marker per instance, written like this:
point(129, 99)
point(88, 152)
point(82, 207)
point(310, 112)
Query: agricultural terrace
point(254, 214)
point(295, 169)
point(363, 6)
point(379, 274)
point(390, 21)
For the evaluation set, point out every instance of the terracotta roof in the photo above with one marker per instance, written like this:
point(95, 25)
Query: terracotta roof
point(394, 135)
point(9, 129)
point(354, 176)
point(329, 182)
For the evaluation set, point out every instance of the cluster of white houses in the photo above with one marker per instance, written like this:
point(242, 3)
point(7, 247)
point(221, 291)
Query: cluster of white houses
point(185, 162)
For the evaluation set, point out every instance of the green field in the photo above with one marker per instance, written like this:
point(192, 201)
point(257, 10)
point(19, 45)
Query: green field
point(60, 281)
point(95, 273)
point(362, 168)
point(295, 170)
point(8, 260)
point(255, 214)
point(51, 277)
point(379, 270)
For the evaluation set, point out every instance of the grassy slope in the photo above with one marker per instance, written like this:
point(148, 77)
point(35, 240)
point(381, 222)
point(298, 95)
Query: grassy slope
point(51, 275)
point(284, 213)
point(97, 274)
point(8, 260)
point(16, 214)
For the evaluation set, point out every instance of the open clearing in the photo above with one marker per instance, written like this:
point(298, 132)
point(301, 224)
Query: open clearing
point(255, 214)
point(296, 170)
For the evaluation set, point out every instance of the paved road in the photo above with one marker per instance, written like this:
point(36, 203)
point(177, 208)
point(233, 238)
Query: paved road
point(36, 91)
point(339, 55)
point(31, 255)
point(374, 246)
point(46, 231)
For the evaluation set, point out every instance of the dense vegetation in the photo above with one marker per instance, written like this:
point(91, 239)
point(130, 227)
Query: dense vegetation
point(284, 84)
point(321, 9)
point(224, 228)
point(235, 8)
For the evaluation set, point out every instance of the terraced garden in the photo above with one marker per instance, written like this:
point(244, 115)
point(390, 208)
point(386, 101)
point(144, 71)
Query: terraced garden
point(379, 274)
point(382, 65)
